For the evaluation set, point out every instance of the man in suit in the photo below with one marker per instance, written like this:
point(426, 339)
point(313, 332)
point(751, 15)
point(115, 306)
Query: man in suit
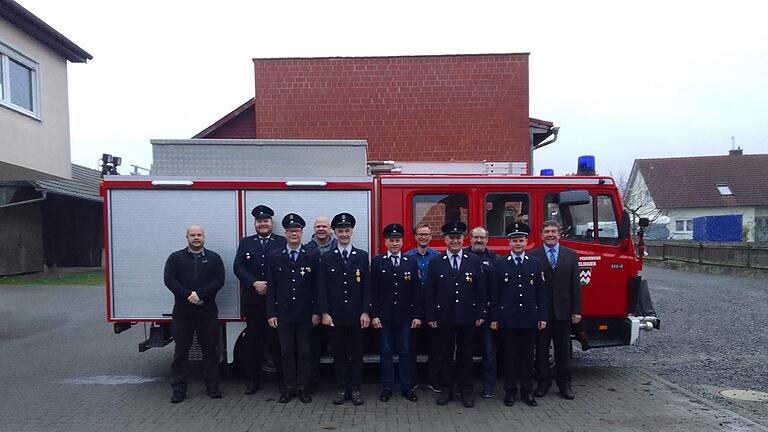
point(455, 303)
point(292, 280)
point(517, 310)
point(345, 302)
point(251, 269)
point(396, 309)
point(561, 274)
point(478, 240)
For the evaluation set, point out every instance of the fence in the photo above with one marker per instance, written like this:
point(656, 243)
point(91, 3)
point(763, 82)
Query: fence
point(746, 255)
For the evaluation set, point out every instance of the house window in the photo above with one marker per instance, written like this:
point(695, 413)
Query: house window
point(18, 82)
point(684, 225)
point(724, 189)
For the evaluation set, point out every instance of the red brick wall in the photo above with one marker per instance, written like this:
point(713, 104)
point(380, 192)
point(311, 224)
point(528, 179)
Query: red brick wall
point(240, 126)
point(430, 108)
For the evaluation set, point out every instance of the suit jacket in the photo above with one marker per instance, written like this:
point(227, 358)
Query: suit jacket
point(455, 298)
point(517, 293)
point(251, 265)
point(561, 285)
point(396, 291)
point(344, 291)
point(292, 286)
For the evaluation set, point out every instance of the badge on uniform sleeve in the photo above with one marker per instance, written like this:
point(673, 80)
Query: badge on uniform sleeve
point(357, 275)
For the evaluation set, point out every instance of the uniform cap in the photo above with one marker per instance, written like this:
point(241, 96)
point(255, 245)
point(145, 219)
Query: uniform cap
point(454, 228)
point(394, 230)
point(343, 220)
point(292, 220)
point(518, 229)
point(262, 212)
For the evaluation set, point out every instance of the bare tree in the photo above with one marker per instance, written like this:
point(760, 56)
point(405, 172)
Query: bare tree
point(637, 199)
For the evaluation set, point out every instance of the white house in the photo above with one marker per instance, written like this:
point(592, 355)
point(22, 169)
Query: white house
point(688, 187)
point(34, 106)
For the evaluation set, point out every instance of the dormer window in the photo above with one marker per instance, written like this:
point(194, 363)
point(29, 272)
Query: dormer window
point(724, 189)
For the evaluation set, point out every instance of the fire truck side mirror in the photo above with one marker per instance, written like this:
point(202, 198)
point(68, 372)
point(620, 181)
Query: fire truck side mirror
point(644, 222)
point(573, 198)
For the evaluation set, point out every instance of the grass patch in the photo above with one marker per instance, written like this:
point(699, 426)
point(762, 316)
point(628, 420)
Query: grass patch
point(94, 277)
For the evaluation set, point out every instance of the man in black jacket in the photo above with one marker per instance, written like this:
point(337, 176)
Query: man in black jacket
point(455, 302)
point(194, 275)
point(292, 280)
point(561, 274)
point(345, 301)
point(396, 309)
point(251, 269)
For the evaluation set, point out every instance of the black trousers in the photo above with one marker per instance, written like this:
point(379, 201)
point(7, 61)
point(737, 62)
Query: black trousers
point(319, 341)
point(347, 347)
point(558, 332)
point(518, 346)
point(183, 329)
point(296, 351)
point(458, 339)
point(259, 338)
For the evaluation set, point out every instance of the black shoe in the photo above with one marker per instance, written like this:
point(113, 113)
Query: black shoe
point(213, 392)
point(434, 387)
point(445, 397)
point(385, 395)
point(509, 398)
point(252, 388)
point(468, 400)
point(178, 396)
point(488, 393)
point(305, 396)
point(542, 389)
point(340, 398)
point(357, 397)
point(410, 395)
point(529, 400)
point(567, 393)
point(286, 396)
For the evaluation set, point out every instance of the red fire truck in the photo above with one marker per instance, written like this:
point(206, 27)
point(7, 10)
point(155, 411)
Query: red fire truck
point(145, 219)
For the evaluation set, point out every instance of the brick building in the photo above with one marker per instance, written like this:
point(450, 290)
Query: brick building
point(416, 108)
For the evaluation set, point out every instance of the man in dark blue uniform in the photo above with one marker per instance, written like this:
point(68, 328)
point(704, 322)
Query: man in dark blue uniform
point(478, 246)
point(251, 269)
point(292, 280)
point(517, 310)
point(345, 303)
point(396, 309)
point(194, 275)
point(455, 303)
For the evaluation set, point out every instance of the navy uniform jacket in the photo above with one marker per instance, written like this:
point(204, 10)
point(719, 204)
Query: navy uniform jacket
point(455, 298)
point(396, 291)
point(292, 286)
point(251, 265)
point(345, 291)
point(517, 293)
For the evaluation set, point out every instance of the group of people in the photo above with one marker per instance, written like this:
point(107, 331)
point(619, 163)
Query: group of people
point(522, 302)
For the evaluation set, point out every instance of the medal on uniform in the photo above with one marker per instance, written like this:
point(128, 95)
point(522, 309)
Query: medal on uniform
point(531, 282)
point(302, 271)
point(308, 269)
point(357, 275)
point(468, 277)
point(407, 276)
point(506, 277)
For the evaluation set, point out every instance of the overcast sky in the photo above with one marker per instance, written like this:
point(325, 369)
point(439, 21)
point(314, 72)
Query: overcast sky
point(623, 80)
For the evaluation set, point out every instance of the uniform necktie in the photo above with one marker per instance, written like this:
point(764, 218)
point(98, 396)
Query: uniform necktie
point(518, 260)
point(263, 241)
point(395, 260)
point(344, 255)
point(552, 258)
point(455, 262)
point(293, 255)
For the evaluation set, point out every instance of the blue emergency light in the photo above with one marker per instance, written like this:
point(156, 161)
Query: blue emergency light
point(547, 172)
point(586, 166)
